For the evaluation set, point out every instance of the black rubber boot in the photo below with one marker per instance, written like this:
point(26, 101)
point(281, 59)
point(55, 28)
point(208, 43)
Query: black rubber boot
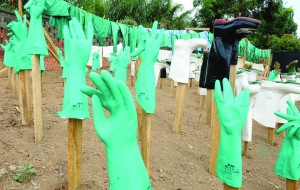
point(224, 50)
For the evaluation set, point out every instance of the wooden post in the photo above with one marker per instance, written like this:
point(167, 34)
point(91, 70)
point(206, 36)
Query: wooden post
point(179, 107)
point(131, 81)
point(146, 139)
point(291, 184)
point(13, 81)
point(245, 51)
point(16, 85)
point(139, 108)
point(245, 148)
point(9, 77)
point(3, 71)
point(202, 101)
point(232, 76)
point(278, 125)
point(37, 98)
point(191, 82)
point(227, 187)
point(24, 97)
point(160, 82)
point(215, 139)
point(271, 132)
point(20, 8)
point(209, 105)
point(140, 122)
point(74, 153)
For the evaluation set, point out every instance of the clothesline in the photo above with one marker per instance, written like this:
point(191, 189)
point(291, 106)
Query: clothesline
point(61, 12)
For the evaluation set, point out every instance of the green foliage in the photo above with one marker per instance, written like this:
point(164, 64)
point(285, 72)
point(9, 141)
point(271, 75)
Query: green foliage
point(276, 20)
point(25, 173)
point(11, 4)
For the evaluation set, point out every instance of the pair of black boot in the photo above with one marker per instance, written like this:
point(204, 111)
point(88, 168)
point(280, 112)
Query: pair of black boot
point(224, 50)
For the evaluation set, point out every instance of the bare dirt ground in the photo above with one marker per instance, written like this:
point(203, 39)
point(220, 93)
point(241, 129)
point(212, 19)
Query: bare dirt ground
point(178, 161)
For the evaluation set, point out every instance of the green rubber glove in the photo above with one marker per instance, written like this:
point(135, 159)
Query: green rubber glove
point(9, 53)
point(288, 162)
point(118, 132)
point(232, 112)
point(113, 61)
point(77, 52)
point(95, 63)
point(142, 33)
point(36, 40)
point(23, 61)
point(123, 60)
point(273, 75)
point(145, 84)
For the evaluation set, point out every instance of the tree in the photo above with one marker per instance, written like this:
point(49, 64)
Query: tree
point(276, 20)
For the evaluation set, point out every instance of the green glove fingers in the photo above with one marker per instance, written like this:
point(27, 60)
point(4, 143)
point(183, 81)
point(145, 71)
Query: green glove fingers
point(123, 59)
point(19, 28)
point(77, 52)
point(9, 54)
point(145, 84)
point(229, 162)
point(118, 132)
point(273, 75)
point(142, 33)
point(288, 161)
point(36, 40)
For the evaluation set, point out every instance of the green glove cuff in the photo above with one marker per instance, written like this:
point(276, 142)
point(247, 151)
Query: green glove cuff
point(124, 164)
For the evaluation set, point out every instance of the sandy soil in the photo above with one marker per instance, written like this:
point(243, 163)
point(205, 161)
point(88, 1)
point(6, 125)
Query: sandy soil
point(178, 161)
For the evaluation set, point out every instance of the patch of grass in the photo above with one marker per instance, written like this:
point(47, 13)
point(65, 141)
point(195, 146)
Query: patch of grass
point(25, 173)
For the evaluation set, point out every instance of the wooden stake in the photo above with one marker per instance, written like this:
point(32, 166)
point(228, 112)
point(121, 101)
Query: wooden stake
point(245, 148)
point(202, 101)
point(13, 81)
point(232, 76)
point(16, 79)
point(245, 51)
point(146, 139)
point(74, 153)
point(271, 132)
point(9, 77)
point(131, 81)
point(160, 80)
point(20, 8)
point(179, 107)
point(3, 71)
point(215, 139)
point(140, 122)
point(37, 98)
point(24, 97)
point(278, 125)
point(209, 106)
point(291, 184)
point(226, 187)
